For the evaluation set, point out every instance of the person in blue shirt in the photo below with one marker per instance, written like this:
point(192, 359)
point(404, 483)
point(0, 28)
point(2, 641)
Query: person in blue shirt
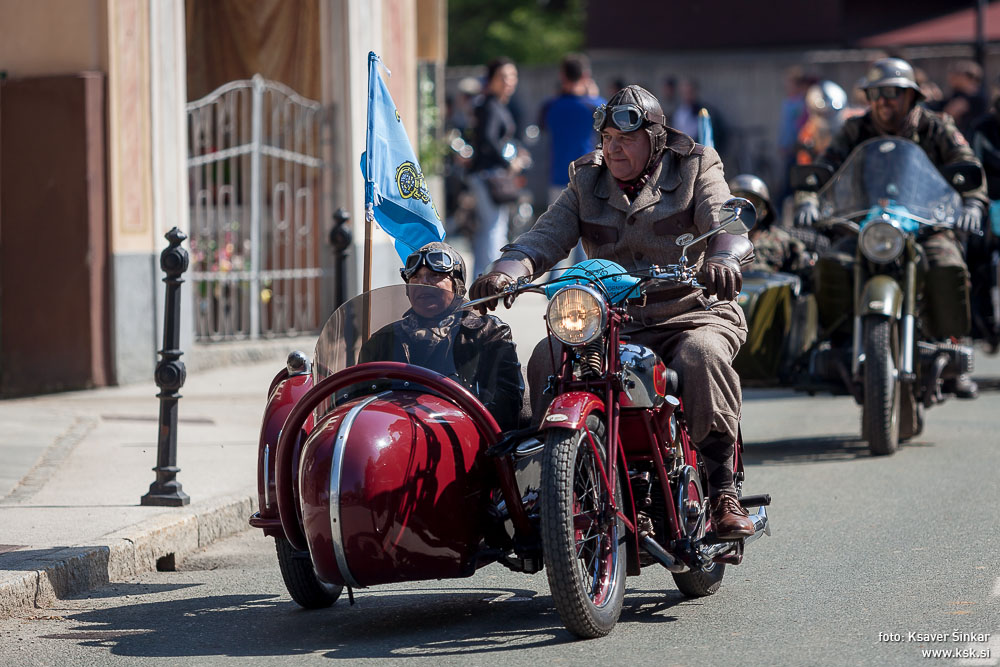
point(569, 120)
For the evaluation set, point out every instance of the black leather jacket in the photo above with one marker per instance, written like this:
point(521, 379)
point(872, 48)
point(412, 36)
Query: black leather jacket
point(475, 351)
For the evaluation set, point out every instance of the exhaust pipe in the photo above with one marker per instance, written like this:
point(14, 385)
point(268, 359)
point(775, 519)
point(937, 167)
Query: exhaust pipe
point(760, 525)
point(654, 549)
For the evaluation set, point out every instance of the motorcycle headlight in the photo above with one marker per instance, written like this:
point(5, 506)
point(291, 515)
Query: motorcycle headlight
point(576, 315)
point(881, 242)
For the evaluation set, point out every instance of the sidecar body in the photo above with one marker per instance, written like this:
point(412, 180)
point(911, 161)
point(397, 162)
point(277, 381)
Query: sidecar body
point(374, 463)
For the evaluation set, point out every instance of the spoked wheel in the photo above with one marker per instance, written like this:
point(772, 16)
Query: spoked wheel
point(582, 538)
point(880, 412)
point(301, 581)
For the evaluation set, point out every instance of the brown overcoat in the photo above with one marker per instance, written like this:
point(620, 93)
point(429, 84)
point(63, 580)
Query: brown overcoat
point(683, 195)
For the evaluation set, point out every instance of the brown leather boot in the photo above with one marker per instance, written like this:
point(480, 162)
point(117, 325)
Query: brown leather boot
point(731, 520)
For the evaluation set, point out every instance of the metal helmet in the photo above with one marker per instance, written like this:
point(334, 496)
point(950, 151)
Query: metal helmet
point(439, 257)
point(753, 188)
point(826, 99)
point(653, 120)
point(891, 72)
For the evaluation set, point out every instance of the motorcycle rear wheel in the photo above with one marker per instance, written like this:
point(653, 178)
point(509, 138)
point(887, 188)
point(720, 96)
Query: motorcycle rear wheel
point(700, 583)
point(583, 547)
point(300, 579)
point(880, 411)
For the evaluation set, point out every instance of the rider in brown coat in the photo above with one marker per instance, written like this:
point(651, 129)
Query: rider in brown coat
point(628, 202)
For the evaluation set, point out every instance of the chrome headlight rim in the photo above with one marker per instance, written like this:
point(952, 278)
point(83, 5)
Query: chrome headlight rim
point(878, 226)
point(602, 308)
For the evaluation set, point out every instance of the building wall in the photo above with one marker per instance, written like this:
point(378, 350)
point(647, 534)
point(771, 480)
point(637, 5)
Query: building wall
point(134, 45)
point(46, 37)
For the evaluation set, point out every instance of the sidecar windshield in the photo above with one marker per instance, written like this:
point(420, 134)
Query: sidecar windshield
point(409, 324)
point(422, 326)
point(889, 171)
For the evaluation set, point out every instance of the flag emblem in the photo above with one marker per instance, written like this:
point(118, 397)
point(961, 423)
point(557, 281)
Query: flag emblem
point(411, 183)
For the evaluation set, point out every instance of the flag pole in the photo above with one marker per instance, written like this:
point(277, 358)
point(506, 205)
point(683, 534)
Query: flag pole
point(369, 195)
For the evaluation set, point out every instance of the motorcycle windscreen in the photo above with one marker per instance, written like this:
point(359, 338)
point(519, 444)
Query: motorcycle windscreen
point(889, 171)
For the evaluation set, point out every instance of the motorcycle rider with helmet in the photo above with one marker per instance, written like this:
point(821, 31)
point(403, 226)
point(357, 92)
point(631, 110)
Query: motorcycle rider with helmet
point(480, 349)
point(827, 107)
point(893, 94)
point(775, 249)
point(628, 201)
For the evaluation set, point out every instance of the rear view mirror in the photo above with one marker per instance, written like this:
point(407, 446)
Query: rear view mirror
point(809, 177)
point(738, 215)
point(963, 176)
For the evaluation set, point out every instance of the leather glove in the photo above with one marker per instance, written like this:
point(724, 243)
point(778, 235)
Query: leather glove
point(806, 214)
point(498, 276)
point(971, 219)
point(721, 272)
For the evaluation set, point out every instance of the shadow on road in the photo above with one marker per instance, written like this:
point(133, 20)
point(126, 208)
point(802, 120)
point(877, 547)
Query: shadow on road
point(387, 624)
point(806, 450)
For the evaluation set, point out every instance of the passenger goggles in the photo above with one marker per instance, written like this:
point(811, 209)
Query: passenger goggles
point(436, 260)
point(626, 117)
point(888, 92)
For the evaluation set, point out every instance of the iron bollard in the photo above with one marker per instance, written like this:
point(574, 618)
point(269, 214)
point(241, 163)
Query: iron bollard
point(169, 376)
point(340, 240)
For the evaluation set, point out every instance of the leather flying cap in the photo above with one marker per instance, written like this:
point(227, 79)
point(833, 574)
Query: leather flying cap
point(632, 96)
point(440, 257)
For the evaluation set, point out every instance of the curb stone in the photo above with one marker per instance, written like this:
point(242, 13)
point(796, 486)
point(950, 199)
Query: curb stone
point(122, 554)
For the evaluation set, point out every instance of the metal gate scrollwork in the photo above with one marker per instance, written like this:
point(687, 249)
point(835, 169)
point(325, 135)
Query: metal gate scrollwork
point(255, 176)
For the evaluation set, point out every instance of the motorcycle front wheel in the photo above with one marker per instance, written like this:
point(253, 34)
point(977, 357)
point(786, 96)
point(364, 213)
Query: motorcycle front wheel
point(880, 411)
point(583, 540)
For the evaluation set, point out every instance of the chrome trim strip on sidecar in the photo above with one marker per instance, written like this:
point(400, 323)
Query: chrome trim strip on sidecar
point(336, 470)
point(267, 475)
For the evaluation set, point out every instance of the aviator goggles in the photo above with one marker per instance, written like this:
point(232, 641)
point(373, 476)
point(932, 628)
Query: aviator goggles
point(888, 92)
point(626, 117)
point(436, 260)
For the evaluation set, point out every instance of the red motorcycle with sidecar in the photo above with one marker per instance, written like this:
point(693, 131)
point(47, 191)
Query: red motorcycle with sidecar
point(374, 468)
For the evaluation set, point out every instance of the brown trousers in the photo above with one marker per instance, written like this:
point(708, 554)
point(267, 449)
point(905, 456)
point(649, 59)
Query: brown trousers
point(700, 345)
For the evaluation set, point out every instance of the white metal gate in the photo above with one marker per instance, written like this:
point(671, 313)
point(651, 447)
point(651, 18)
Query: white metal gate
point(255, 176)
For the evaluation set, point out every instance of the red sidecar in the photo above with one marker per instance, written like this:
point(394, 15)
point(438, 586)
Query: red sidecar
point(373, 469)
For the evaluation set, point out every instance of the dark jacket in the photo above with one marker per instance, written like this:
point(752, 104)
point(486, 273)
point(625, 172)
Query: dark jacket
point(495, 127)
point(477, 352)
point(935, 133)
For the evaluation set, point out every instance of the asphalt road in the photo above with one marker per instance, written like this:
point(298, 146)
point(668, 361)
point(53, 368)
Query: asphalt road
point(864, 552)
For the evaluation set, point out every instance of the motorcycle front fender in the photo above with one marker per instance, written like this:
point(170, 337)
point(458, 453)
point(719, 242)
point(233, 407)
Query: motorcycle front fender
point(881, 295)
point(570, 410)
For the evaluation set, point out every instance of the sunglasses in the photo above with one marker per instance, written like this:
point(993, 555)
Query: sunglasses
point(888, 92)
point(436, 260)
point(626, 117)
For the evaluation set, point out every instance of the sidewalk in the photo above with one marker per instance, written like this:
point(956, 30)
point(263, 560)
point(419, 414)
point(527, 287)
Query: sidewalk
point(74, 522)
point(76, 464)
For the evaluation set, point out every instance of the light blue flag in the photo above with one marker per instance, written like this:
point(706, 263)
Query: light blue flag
point(396, 194)
point(705, 136)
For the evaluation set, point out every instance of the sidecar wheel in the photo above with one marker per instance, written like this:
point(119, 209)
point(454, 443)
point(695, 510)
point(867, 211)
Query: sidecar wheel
point(700, 583)
point(880, 412)
point(583, 547)
point(300, 579)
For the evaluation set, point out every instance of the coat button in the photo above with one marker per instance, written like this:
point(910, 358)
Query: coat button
point(631, 221)
point(639, 256)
